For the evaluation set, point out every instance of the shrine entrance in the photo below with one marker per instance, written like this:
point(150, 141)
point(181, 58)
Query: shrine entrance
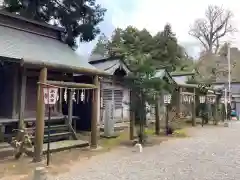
point(82, 105)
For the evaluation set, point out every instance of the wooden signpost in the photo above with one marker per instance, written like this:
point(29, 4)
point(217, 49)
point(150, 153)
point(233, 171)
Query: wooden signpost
point(50, 98)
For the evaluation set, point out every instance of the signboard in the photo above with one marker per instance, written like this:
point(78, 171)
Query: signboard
point(202, 99)
point(167, 99)
point(50, 95)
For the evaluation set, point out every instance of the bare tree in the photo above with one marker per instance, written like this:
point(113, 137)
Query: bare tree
point(215, 25)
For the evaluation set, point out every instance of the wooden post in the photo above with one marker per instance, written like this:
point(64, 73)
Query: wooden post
point(22, 97)
point(95, 100)
point(216, 118)
point(70, 107)
point(178, 100)
point(40, 117)
point(157, 120)
point(167, 119)
point(132, 116)
point(60, 100)
point(194, 108)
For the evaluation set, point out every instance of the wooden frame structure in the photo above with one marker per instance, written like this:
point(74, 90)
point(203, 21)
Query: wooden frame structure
point(50, 63)
point(41, 109)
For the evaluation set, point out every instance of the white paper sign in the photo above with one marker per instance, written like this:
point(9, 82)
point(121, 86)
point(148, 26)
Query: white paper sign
point(167, 99)
point(50, 95)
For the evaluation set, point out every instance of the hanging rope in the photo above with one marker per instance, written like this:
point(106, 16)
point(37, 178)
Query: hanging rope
point(62, 87)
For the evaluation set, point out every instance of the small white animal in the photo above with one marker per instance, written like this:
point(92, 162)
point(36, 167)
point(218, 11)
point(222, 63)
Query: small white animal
point(138, 147)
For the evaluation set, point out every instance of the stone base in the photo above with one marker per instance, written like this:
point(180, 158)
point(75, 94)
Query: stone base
point(115, 135)
point(40, 173)
point(226, 124)
point(98, 148)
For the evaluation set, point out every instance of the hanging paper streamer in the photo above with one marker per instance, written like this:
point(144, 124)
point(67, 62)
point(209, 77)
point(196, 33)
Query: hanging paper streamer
point(82, 96)
point(84, 93)
point(73, 96)
point(58, 95)
point(65, 95)
point(77, 96)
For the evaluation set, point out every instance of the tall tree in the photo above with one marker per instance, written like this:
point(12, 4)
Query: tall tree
point(145, 86)
point(101, 48)
point(79, 18)
point(166, 49)
point(211, 29)
point(162, 49)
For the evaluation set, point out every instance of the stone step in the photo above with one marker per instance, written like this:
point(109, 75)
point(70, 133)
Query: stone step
point(61, 146)
point(6, 150)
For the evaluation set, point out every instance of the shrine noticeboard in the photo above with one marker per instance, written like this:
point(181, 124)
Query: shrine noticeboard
point(50, 95)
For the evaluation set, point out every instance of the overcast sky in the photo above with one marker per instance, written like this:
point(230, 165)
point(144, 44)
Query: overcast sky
point(154, 14)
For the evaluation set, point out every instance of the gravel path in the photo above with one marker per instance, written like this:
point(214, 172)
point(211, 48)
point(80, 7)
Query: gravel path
point(212, 154)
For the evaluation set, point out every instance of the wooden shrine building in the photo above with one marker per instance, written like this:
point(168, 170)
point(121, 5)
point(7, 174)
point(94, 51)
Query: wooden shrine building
point(33, 54)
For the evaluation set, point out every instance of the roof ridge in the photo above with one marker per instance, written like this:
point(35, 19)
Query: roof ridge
point(43, 24)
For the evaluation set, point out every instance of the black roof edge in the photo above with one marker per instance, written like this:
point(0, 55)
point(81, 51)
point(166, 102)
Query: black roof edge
point(103, 59)
point(5, 13)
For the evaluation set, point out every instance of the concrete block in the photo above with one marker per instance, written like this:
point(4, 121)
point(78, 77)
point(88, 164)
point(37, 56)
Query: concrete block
point(40, 173)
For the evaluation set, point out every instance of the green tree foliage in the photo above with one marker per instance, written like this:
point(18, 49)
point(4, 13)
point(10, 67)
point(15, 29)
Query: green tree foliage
point(101, 47)
point(163, 48)
point(144, 54)
point(79, 18)
point(166, 48)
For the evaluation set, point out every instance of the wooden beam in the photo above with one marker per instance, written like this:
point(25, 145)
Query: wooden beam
point(72, 85)
point(40, 117)
point(22, 97)
point(95, 109)
point(62, 67)
point(51, 75)
point(187, 93)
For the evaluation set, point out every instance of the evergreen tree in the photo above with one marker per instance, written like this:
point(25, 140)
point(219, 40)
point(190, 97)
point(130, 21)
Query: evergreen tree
point(163, 48)
point(166, 50)
point(78, 18)
point(101, 48)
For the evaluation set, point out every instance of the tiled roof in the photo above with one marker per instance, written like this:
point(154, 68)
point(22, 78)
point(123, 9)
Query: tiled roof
point(38, 49)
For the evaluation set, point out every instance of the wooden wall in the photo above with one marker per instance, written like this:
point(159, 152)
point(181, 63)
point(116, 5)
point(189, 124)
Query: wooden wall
point(7, 75)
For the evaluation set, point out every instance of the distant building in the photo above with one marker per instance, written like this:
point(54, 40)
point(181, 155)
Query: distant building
point(113, 90)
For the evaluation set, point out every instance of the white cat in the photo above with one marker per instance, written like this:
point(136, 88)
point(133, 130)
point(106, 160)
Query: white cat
point(138, 147)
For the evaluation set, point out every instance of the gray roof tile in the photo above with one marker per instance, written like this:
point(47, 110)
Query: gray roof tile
point(23, 45)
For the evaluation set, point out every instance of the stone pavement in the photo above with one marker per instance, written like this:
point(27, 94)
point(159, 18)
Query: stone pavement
point(213, 153)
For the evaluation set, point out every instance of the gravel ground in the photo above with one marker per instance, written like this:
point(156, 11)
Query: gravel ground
point(213, 153)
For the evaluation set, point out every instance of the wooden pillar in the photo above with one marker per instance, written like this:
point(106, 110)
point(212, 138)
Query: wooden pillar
point(194, 108)
point(60, 100)
point(95, 100)
point(22, 97)
point(70, 106)
point(178, 109)
point(39, 134)
point(15, 104)
point(132, 116)
point(217, 102)
point(157, 120)
point(178, 100)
